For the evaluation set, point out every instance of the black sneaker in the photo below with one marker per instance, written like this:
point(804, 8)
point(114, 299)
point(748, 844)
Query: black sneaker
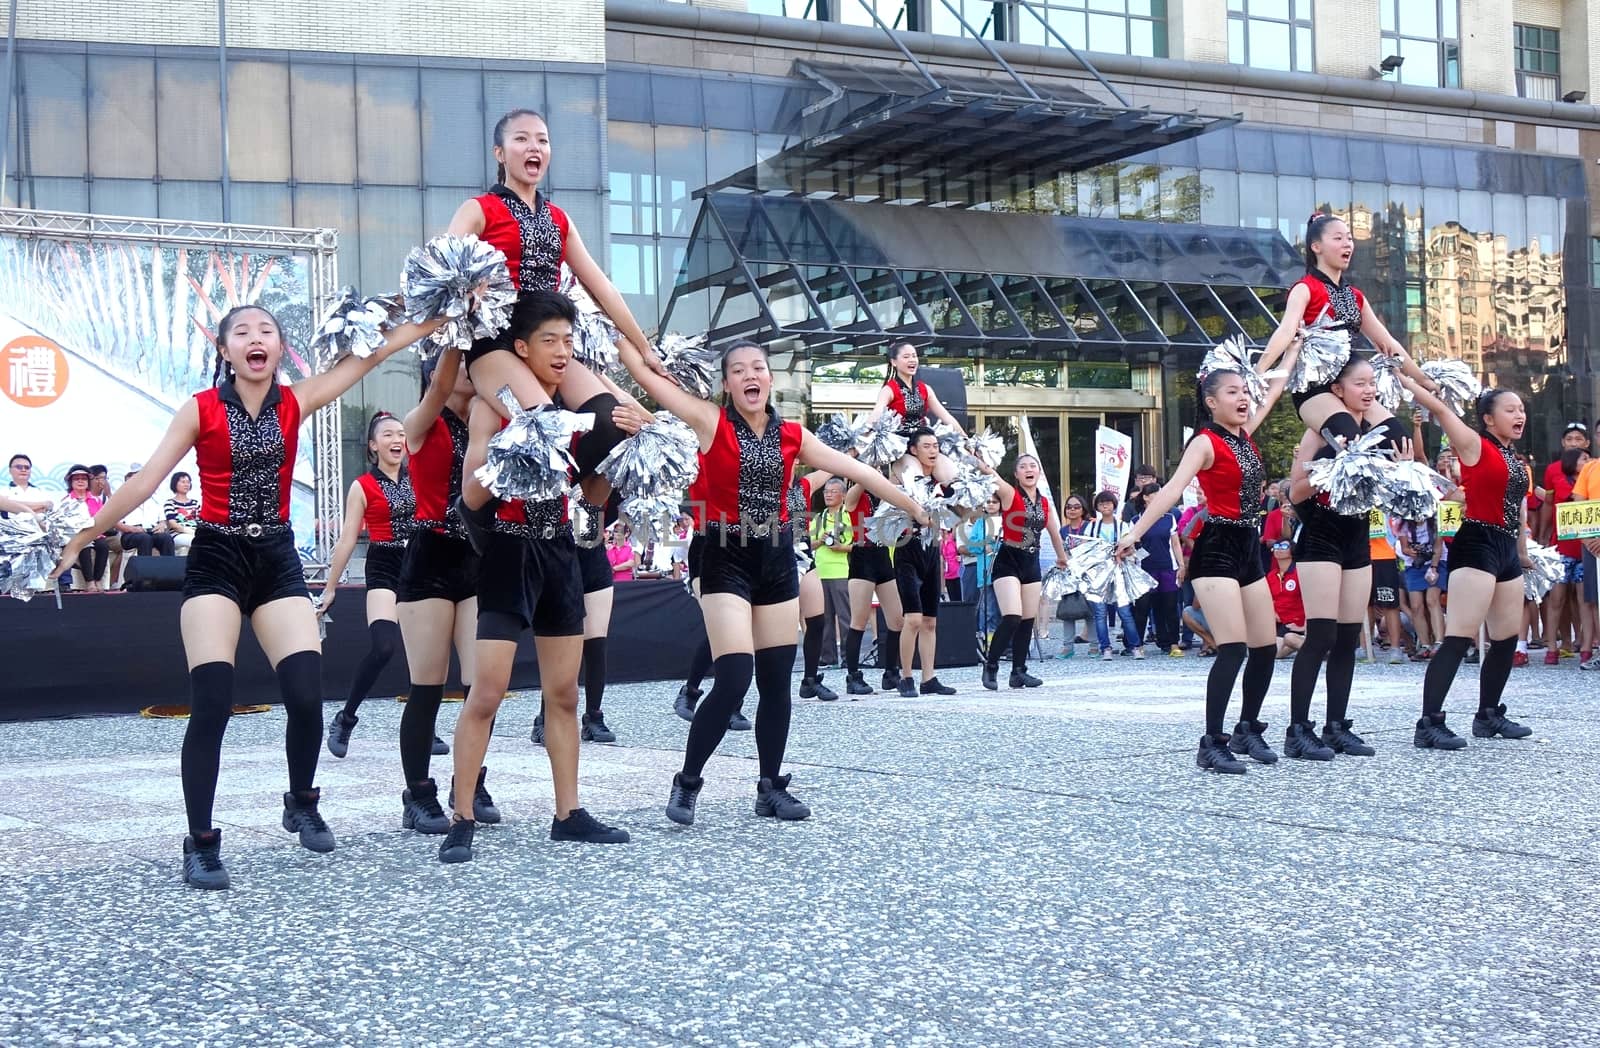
point(1024, 679)
point(483, 808)
point(1246, 741)
point(594, 728)
point(339, 730)
point(684, 704)
point(1433, 734)
point(1302, 743)
point(907, 688)
point(991, 677)
point(300, 816)
point(580, 826)
point(891, 680)
point(739, 722)
point(420, 809)
point(680, 803)
point(457, 845)
point(855, 684)
point(934, 686)
point(813, 688)
point(536, 736)
point(1338, 737)
point(1214, 756)
point(1472, 656)
point(1493, 721)
point(440, 747)
point(202, 862)
point(774, 801)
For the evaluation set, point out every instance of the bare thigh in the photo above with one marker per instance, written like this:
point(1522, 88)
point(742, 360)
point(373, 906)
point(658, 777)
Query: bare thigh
point(811, 597)
point(209, 625)
point(380, 606)
point(1008, 595)
point(426, 627)
point(596, 613)
point(284, 627)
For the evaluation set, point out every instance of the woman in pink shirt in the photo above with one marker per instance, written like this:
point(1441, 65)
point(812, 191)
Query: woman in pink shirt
point(92, 561)
point(619, 551)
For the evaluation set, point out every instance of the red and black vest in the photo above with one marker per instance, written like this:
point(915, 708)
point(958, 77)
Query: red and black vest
point(909, 402)
point(436, 475)
point(246, 464)
point(1232, 484)
point(533, 239)
point(1496, 487)
point(1340, 303)
point(1023, 521)
point(391, 514)
point(542, 519)
point(747, 477)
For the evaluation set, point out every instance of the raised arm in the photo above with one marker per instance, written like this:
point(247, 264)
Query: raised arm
point(1289, 327)
point(483, 422)
point(852, 498)
point(701, 415)
point(818, 455)
point(327, 386)
point(1005, 492)
point(1300, 487)
point(1196, 457)
point(421, 418)
point(1275, 387)
point(1464, 440)
point(355, 508)
point(885, 394)
point(607, 297)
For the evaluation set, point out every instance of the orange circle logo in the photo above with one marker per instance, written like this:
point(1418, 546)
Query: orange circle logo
point(35, 371)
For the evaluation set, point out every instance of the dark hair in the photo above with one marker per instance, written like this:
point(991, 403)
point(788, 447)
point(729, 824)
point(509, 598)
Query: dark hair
point(500, 133)
point(222, 369)
point(1207, 387)
point(1318, 222)
point(1569, 461)
point(1106, 496)
point(172, 484)
point(917, 434)
point(1150, 488)
point(1350, 365)
point(1072, 497)
point(535, 308)
point(372, 431)
point(742, 343)
point(1485, 405)
point(97, 470)
point(18, 455)
point(76, 467)
point(1145, 470)
point(896, 346)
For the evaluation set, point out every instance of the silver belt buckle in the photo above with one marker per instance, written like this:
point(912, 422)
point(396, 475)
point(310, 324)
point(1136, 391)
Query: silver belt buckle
point(761, 531)
point(549, 532)
point(253, 531)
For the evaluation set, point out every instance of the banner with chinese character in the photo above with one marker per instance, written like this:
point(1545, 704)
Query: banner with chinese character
point(1113, 461)
point(1578, 520)
point(1450, 518)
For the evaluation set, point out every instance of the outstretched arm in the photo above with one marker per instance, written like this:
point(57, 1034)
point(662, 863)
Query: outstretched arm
point(327, 386)
point(1052, 524)
point(1464, 440)
point(818, 455)
point(942, 413)
point(1274, 388)
point(701, 415)
point(1196, 457)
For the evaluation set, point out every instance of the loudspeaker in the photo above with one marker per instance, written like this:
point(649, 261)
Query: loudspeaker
point(951, 390)
point(146, 574)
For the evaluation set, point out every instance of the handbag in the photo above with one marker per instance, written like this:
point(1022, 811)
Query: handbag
point(1072, 607)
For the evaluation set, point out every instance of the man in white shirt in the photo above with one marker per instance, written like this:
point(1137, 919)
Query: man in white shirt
point(22, 490)
point(144, 530)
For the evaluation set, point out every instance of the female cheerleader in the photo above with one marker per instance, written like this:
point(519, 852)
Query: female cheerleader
point(529, 578)
point(812, 600)
point(1487, 558)
point(382, 502)
point(1332, 553)
point(919, 578)
point(244, 433)
point(1225, 567)
point(748, 583)
point(916, 404)
point(871, 574)
point(1025, 517)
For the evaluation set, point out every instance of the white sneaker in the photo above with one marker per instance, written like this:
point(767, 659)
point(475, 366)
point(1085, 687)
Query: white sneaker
point(1106, 656)
point(1396, 656)
point(1592, 664)
point(1138, 652)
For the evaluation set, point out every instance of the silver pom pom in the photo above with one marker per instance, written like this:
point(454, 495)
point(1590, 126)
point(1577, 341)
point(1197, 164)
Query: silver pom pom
point(354, 327)
point(661, 459)
point(691, 363)
point(880, 443)
point(1057, 583)
point(462, 279)
point(1390, 392)
point(595, 337)
point(1102, 578)
point(650, 516)
point(1458, 386)
point(1324, 351)
point(1234, 354)
point(30, 546)
point(1354, 479)
point(838, 433)
point(888, 525)
point(1546, 572)
point(531, 458)
point(972, 489)
point(950, 438)
point(987, 446)
point(1411, 491)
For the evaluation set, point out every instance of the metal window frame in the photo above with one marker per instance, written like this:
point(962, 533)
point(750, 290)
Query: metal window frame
point(1517, 47)
point(1308, 23)
point(1444, 42)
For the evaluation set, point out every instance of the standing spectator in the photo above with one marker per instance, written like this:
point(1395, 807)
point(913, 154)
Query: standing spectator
point(1385, 601)
point(1143, 476)
point(92, 561)
point(1567, 595)
point(22, 490)
point(619, 551)
point(1073, 523)
point(1284, 582)
point(1106, 526)
point(1574, 437)
point(952, 565)
point(977, 575)
point(1587, 488)
point(831, 542)
point(181, 511)
point(1425, 579)
point(1162, 560)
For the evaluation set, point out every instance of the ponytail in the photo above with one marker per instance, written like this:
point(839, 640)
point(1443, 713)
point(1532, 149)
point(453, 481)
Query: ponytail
point(1314, 226)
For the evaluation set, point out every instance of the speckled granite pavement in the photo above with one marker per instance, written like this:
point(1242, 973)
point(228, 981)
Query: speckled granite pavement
point(1015, 869)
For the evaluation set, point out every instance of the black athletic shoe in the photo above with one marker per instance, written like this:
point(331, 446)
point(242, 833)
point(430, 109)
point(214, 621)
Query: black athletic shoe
point(580, 826)
point(739, 722)
point(1338, 737)
point(595, 729)
point(680, 803)
point(1472, 656)
point(440, 747)
point(1246, 741)
point(202, 862)
point(457, 845)
point(907, 688)
point(420, 809)
point(483, 808)
point(339, 730)
point(536, 736)
point(1493, 721)
point(1214, 756)
point(684, 704)
point(813, 688)
point(300, 816)
point(774, 801)
point(891, 680)
point(1024, 679)
point(935, 686)
point(1433, 734)
point(855, 684)
point(991, 677)
point(1302, 743)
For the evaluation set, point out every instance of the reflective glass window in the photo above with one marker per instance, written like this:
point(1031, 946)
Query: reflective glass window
point(986, 19)
point(631, 178)
point(122, 119)
point(1032, 305)
point(572, 109)
point(134, 198)
point(933, 298)
point(680, 154)
point(1083, 314)
point(1219, 197)
point(322, 112)
point(1202, 305)
point(390, 226)
point(51, 117)
point(188, 119)
point(728, 104)
point(200, 201)
point(890, 310)
point(51, 194)
point(1122, 307)
point(833, 294)
point(454, 142)
point(1255, 150)
point(784, 294)
point(258, 122)
point(1258, 201)
point(988, 310)
point(1425, 34)
point(628, 94)
point(676, 100)
point(262, 204)
point(1168, 312)
point(1124, 27)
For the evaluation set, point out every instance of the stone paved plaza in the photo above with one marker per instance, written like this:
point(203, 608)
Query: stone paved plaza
point(1015, 869)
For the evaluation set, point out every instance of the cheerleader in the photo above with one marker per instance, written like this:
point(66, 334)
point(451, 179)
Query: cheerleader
point(919, 579)
point(1026, 515)
point(1487, 559)
point(812, 600)
point(871, 575)
point(382, 502)
point(916, 404)
point(1225, 568)
point(598, 594)
point(528, 578)
point(245, 432)
point(1333, 554)
point(748, 583)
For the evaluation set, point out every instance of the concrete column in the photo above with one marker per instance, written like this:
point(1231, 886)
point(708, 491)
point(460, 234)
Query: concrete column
point(1197, 30)
point(1580, 36)
point(1488, 61)
point(1347, 37)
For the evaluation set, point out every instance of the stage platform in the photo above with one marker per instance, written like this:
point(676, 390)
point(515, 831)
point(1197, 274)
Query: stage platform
point(120, 652)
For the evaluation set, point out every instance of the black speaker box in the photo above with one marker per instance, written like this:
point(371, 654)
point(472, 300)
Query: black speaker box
point(146, 574)
point(948, 386)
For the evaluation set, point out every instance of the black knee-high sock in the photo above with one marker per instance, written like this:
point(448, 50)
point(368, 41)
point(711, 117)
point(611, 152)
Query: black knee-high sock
point(1342, 670)
point(852, 651)
point(1442, 673)
point(699, 665)
point(590, 449)
point(417, 725)
point(1320, 637)
point(1495, 671)
point(814, 629)
point(1001, 641)
point(1258, 669)
point(594, 674)
point(1219, 683)
point(773, 667)
point(210, 706)
point(889, 659)
point(1019, 645)
point(730, 680)
point(300, 681)
point(1395, 432)
point(385, 642)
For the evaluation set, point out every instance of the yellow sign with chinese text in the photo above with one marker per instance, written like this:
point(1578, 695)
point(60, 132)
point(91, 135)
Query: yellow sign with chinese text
point(1578, 520)
point(1450, 518)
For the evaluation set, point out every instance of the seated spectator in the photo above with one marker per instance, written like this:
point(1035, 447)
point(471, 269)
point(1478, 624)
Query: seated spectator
point(92, 561)
point(145, 529)
point(1195, 619)
point(181, 511)
point(99, 483)
point(619, 551)
point(1284, 582)
point(22, 492)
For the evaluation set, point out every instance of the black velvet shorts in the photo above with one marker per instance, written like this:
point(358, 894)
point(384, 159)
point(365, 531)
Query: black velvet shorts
point(1482, 548)
point(870, 564)
point(529, 583)
point(1227, 551)
point(594, 569)
point(438, 567)
point(1013, 562)
point(1325, 537)
point(1300, 398)
point(249, 572)
point(761, 572)
point(919, 576)
point(383, 567)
